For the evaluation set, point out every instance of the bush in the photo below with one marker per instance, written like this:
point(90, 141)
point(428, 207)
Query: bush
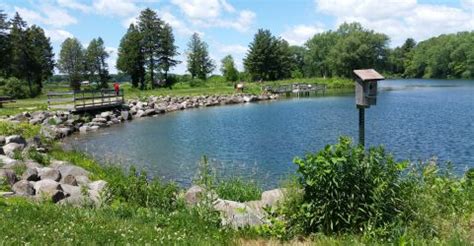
point(237, 189)
point(348, 189)
point(24, 129)
point(18, 88)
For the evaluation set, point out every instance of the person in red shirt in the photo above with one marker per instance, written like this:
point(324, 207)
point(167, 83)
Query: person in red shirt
point(116, 88)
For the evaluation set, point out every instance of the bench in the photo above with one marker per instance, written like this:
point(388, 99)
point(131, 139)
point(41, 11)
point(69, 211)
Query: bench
point(5, 99)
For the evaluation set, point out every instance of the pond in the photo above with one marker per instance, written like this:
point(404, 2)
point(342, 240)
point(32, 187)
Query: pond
point(413, 119)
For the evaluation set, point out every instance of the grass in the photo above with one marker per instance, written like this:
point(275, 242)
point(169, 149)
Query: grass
point(24, 129)
point(213, 86)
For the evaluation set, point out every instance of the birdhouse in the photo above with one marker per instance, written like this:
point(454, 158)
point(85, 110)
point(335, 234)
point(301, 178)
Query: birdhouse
point(366, 87)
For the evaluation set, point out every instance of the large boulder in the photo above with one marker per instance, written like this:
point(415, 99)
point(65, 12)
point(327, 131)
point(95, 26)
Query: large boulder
point(140, 113)
point(75, 196)
point(6, 161)
point(272, 197)
point(49, 189)
point(237, 214)
point(126, 115)
point(31, 174)
point(23, 188)
point(2, 140)
point(66, 169)
point(69, 180)
point(9, 176)
point(194, 194)
point(49, 173)
point(15, 139)
point(11, 148)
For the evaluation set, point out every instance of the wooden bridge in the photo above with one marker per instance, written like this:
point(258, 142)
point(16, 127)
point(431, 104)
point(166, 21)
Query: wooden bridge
point(88, 100)
point(297, 89)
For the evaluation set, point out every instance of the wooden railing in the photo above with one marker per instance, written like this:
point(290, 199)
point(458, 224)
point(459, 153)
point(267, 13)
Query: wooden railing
point(90, 100)
point(5, 99)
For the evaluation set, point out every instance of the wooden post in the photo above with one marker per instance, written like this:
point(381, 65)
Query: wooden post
point(362, 126)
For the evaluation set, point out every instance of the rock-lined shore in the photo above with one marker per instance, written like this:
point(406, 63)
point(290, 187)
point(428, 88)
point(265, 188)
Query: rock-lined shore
point(59, 124)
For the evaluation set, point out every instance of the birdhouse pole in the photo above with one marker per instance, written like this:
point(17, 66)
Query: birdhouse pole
point(365, 95)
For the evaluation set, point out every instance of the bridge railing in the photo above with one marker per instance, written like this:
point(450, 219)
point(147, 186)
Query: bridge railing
point(91, 99)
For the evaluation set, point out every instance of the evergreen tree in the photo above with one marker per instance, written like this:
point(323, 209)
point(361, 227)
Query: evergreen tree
point(18, 49)
point(131, 58)
point(96, 66)
point(200, 63)
point(40, 57)
point(71, 61)
point(228, 69)
point(168, 51)
point(4, 44)
point(151, 28)
point(297, 61)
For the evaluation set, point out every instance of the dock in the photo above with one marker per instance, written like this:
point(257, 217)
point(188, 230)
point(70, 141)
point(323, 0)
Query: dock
point(87, 100)
point(297, 89)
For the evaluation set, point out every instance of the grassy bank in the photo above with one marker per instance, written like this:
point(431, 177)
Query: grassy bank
point(213, 86)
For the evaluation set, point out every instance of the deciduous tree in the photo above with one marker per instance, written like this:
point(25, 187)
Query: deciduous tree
point(71, 61)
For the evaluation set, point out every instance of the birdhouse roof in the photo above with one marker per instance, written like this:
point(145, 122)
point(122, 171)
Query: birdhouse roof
point(368, 74)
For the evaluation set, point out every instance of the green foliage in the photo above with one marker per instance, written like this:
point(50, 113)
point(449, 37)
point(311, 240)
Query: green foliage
point(200, 64)
point(16, 88)
point(131, 58)
point(71, 61)
point(24, 129)
point(237, 189)
point(228, 69)
point(268, 58)
point(40, 158)
point(346, 189)
point(4, 185)
point(96, 67)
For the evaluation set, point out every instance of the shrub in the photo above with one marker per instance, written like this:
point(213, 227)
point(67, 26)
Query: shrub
point(24, 129)
point(18, 88)
point(237, 189)
point(347, 188)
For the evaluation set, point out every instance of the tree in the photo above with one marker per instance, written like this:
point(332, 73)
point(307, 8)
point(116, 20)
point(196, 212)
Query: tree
point(71, 61)
point(150, 27)
point(96, 66)
point(199, 62)
point(168, 51)
point(228, 69)
point(18, 49)
point(268, 58)
point(297, 61)
point(317, 51)
point(4, 44)
point(40, 57)
point(131, 58)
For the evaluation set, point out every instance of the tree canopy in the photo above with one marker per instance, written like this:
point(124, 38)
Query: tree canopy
point(200, 63)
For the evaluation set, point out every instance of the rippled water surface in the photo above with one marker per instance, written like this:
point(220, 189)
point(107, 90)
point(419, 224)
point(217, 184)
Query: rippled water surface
point(414, 119)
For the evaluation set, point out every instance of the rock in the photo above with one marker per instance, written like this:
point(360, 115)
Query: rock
point(31, 174)
point(9, 149)
point(15, 139)
point(2, 140)
point(140, 113)
point(99, 120)
point(49, 189)
point(49, 132)
point(84, 129)
point(7, 161)
point(66, 169)
point(23, 188)
point(82, 180)
point(98, 185)
point(237, 214)
point(6, 193)
point(9, 176)
point(96, 191)
point(75, 196)
point(94, 128)
point(272, 197)
point(69, 180)
point(193, 195)
point(126, 115)
point(150, 112)
point(250, 98)
point(106, 114)
point(49, 173)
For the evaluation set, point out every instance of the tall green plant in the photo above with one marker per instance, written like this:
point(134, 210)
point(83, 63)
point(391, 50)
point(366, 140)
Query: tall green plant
point(347, 188)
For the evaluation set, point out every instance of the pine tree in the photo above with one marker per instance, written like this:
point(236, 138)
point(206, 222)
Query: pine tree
point(131, 58)
point(200, 63)
point(96, 66)
point(71, 61)
point(150, 27)
point(168, 51)
point(228, 69)
point(18, 48)
point(40, 57)
point(4, 44)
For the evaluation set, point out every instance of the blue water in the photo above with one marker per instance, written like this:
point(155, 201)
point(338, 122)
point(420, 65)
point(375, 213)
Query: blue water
point(413, 119)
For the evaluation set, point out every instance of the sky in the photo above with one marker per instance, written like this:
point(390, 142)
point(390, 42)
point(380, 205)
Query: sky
point(228, 26)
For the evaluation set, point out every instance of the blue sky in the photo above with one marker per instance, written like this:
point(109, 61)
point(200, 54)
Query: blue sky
point(228, 26)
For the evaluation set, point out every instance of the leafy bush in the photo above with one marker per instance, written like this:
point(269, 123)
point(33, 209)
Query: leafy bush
point(24, 129)
point(42, 159)
point(347, 188)
point(17, 88)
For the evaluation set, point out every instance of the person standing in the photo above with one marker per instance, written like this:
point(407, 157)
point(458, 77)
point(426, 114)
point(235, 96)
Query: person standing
point(116, 88)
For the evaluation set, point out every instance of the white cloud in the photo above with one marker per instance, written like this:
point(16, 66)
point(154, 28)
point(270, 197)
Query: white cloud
point(299, 34)
point(210, 13)
point(111, 61)
point(121, 8)
point(232, 49)
point(400, 19)
point(73, 4)
point(57, 35)
point(47, 15)
point(179, 26)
